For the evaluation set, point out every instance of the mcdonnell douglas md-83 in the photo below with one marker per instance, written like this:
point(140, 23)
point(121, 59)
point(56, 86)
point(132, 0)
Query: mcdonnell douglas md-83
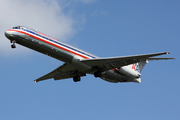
point(78, 63)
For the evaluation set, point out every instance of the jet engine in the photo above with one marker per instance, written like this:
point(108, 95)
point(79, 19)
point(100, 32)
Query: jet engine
point(129, 72)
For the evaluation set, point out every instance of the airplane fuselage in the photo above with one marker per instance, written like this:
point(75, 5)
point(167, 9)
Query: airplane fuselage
point(50, 46)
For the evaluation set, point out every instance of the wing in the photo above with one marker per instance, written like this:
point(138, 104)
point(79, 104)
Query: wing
point(62, 72)
point(103, 64)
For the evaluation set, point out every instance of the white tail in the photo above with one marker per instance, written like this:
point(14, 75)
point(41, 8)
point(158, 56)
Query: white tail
point(142, 64)
point(139, 66)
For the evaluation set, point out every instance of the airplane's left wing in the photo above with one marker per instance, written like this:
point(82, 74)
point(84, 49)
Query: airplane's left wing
point(63, 72)
point(103, 64)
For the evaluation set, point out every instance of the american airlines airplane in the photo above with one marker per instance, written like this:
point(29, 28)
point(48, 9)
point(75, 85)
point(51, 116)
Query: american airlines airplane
point(78, 63)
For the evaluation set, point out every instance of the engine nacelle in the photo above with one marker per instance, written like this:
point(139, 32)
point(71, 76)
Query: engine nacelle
point(129, 72)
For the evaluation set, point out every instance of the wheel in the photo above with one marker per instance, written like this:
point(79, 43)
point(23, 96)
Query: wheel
point(97, 74)
point(76, 78)
point(13, 46)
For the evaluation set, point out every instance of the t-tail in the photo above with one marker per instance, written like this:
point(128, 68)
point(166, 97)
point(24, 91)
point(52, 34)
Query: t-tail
point(139, 67)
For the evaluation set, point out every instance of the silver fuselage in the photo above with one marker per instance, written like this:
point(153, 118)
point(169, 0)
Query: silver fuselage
point(49, 46)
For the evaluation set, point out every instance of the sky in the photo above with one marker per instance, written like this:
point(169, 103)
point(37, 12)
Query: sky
point(104, 28)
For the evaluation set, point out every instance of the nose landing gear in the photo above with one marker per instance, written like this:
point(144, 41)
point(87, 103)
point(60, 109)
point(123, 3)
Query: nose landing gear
point(13, 44)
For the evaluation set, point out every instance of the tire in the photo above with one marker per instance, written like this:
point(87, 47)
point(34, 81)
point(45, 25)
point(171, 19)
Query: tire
point(97, 74)
point(13, 46)
point(76, 78)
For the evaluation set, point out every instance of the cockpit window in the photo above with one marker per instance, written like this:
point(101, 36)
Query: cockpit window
point(16, 27)
point(19, 27)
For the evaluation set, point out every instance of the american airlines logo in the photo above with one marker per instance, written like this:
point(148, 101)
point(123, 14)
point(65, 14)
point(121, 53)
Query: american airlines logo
point(135, 66)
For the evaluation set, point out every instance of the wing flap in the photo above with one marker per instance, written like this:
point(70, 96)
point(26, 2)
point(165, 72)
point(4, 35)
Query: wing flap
point(160, 58)
point(69, 74)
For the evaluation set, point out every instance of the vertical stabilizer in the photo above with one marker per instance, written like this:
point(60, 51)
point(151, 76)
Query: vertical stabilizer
point(142, 64)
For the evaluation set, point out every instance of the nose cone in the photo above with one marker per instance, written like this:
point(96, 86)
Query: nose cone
point(8, 34)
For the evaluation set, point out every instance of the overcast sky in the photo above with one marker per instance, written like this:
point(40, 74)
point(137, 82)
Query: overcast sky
point(106, 29)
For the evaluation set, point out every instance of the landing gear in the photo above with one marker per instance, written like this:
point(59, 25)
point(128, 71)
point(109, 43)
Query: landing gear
point(76, 78)
point(97, 74)
point(13, 44)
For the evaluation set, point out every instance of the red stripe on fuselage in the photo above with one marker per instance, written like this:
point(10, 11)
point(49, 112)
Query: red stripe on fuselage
point(46, 36)
point(58, 46)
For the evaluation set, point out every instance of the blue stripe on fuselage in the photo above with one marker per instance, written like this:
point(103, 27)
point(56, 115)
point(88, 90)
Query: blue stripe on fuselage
point(59, 43)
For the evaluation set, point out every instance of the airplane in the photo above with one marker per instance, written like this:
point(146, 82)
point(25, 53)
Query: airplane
point(78, 63)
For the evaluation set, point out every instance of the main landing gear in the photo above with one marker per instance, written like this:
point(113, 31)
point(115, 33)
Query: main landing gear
point(97, 74)
point(13, 44)
point(76, 78)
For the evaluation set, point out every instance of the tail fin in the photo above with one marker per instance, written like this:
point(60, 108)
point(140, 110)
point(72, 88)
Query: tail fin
point(141, 65)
